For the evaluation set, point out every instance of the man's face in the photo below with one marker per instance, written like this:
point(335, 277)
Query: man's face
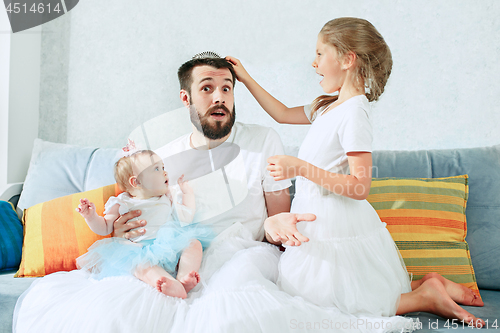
point(211, 102)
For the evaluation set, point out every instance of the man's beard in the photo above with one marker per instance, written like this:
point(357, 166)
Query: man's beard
point(218, 129)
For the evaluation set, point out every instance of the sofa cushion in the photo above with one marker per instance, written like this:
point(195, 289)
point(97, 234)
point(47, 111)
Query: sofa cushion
point(55, 234)
point(58, 169)
point(482, 165)
point(100, 168)
point(11, 237)
point(426, 219)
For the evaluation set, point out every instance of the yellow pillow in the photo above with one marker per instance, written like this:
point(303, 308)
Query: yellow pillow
point(55, 234)
point(426, 218)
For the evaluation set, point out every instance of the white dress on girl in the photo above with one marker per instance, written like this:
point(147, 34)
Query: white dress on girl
point(351, 261)
point(162, 244)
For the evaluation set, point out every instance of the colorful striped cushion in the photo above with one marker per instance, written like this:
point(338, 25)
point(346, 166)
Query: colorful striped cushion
point(55, 234)
point(426, 218)
point(11, 237)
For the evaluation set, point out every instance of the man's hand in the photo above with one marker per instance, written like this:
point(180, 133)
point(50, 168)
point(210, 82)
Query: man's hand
point(284, 167)
point(122, 226)
point(283, 228)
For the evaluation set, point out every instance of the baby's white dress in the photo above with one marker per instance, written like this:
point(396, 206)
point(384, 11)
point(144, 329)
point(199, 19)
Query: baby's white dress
point(351, 261)
point(162, 244)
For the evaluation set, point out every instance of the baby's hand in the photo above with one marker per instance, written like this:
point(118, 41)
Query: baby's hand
point(183, 184)
point(241, 73)
point(86, 208)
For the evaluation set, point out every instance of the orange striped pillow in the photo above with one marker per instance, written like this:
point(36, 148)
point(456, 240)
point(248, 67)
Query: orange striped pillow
point(55, 234)
point(426, 218)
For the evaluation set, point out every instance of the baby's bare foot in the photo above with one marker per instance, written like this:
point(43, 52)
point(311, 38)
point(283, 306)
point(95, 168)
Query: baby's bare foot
point(171, 287)
point(190, 280)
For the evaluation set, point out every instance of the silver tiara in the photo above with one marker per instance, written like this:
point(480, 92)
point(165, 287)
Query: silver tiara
point(206, 54)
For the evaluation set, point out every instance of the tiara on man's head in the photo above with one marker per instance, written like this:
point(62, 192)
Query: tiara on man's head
point(206, 54)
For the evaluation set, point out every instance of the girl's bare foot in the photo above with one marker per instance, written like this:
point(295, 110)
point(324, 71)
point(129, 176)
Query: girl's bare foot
point(190, 280)
point(171, 287)
point(436, 299)
point(459, 293)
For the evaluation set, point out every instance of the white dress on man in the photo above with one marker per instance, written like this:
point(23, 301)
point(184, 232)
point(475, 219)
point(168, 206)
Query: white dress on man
point(237, 292)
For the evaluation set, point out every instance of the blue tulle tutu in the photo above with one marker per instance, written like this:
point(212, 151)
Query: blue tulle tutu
point(118, 256)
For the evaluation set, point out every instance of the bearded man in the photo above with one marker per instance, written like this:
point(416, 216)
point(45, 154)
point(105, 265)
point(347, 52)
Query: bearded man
point(237, 189)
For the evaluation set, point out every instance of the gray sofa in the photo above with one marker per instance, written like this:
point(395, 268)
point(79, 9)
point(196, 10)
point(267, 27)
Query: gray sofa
point(75, 169)
point(483, 214)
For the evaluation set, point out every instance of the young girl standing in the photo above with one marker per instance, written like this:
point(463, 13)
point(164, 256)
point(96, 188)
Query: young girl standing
point(351, 262)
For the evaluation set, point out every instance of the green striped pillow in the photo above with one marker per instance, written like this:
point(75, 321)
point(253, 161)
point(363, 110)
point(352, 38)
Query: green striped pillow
point(426, 218)
point(11, 237)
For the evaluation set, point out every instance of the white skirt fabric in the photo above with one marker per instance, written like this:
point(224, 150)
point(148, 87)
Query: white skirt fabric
point(237, 293)
point(351, 261)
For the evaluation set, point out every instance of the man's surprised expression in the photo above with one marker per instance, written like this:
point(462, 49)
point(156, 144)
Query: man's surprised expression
point(211, 101)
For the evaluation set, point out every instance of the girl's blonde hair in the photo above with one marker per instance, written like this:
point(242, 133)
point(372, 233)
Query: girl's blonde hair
point(124, 168)
point(373, 58)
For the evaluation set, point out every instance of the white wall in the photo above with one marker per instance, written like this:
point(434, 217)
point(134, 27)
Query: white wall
point(24, 93)
point(19, 99)
point(107, 66)
point(4, 95)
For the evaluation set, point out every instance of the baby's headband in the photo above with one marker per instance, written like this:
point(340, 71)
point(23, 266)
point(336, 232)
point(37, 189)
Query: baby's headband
point(130, 149)
point(206, 55)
